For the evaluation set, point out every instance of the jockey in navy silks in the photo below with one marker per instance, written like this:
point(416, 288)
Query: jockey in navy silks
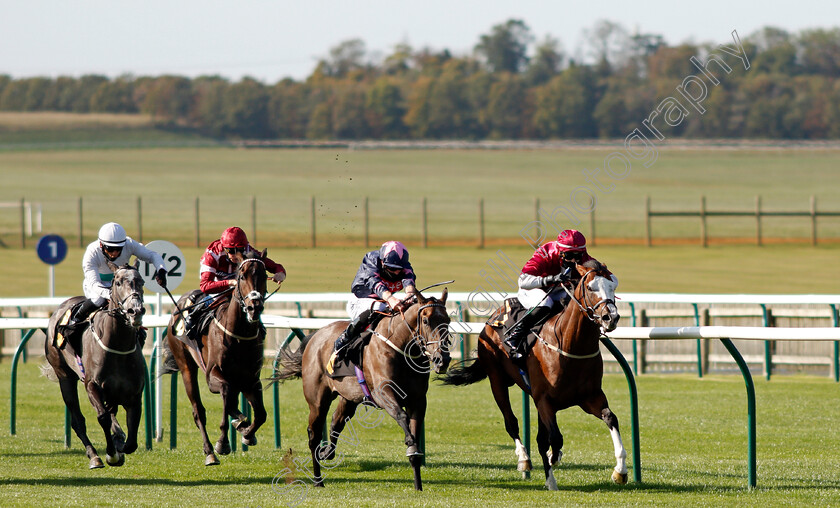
point(382, 273)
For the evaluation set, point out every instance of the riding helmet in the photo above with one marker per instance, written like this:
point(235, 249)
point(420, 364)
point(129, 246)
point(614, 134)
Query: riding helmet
point(571, 239)
point(393, 254)
point(234, 237)
point(112, 235)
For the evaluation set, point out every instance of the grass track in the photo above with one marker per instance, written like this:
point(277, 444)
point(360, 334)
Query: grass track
point(693, 435)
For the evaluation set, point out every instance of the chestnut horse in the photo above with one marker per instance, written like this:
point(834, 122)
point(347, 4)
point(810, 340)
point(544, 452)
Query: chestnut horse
point(396, 363)
point(111, 366)
point(565, 369)
point(231, 356)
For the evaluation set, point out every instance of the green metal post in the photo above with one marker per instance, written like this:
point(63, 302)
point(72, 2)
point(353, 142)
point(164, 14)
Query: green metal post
point(147, 399)
point(635, 345)
point(463, 342)
point(526, 428)
point(699, 348)
point(13, 397)
point(246, 410)
point(768, 357)
point(173, 413)
point(276, 397)
point(634, 407)
point(152, 381)
point(67, 426)
point(835, 318)
point(748, 381)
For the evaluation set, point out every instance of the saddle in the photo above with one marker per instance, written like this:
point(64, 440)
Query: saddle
point(352, 358)
point(508, 315)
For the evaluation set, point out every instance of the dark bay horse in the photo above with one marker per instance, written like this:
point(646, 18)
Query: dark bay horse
point(112, 366)
point(565, 369)
point(396, 364)
point(231, 356)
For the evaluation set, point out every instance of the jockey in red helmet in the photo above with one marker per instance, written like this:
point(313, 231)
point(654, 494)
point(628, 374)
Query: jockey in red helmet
point(550, 265)
point(218, 271)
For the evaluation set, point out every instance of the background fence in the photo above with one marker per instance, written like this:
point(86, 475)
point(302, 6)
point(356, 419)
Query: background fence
point(308, 221)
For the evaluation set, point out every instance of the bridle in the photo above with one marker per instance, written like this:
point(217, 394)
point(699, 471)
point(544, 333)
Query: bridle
point(422, 341)
point(588, 310)
point(254, 294)
point(120, 305)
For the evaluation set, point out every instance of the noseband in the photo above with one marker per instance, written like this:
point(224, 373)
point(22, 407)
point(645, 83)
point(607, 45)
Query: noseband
point(420, 338)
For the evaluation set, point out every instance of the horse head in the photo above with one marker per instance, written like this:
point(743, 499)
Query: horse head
point(595, 293)
point(251, 285)
point(429, 323)
point(127, 293)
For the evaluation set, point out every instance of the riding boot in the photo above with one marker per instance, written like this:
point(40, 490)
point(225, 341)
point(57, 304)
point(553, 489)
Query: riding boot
point(72, 330)
point(350, 333)
point(515, 338)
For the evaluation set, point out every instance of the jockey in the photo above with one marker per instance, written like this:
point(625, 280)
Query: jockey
point(550, 265)
point(218, 268)
point(382, 273)
point(114, 246)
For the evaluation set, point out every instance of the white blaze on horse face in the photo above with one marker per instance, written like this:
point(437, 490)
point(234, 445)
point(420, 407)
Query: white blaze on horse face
point(603, 287)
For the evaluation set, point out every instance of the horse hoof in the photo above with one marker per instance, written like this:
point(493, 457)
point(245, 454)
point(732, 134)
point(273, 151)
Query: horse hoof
point(249, 441)
point(96, 463)
point(115, 461)
point(222, 448)
point(524, 465)
point(619, 478)
point(412, 451)
point(211, 460)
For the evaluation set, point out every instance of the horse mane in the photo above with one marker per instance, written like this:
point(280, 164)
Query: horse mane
point(594, 264)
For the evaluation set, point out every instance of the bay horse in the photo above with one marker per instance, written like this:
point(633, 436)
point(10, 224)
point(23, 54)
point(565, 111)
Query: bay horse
point(111, 366)
point(231, 357)
point(564, 367)
point(404, 348)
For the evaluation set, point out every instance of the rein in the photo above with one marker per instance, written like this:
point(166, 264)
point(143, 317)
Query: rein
point(588, 311)
point(414, 333)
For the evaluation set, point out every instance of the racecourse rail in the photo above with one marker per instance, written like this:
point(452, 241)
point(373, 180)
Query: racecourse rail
point(725, 334)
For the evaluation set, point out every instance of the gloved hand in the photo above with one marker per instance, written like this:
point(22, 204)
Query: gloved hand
point(160, 277)
point(279, 277)
point(550, 280)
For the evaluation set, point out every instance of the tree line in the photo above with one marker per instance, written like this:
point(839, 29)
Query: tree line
point(512, 86)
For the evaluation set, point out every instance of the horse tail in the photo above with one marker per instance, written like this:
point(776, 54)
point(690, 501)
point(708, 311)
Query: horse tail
point(48, 372)
point(465, 372)
point(289, 364)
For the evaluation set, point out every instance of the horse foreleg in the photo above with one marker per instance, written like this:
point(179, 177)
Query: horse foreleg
point(417, 414)
point(255, 399)
point(231, 408)
point(599, 408)
point(133, 412)
point(113, 456)
point(500, 394)
point(189, 377)
point(549, 437)
point(70, 394)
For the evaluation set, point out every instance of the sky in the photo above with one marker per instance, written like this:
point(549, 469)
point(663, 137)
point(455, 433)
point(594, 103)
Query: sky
point(271, 40)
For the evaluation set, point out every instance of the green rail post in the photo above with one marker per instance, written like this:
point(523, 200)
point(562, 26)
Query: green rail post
point(699, 347)
point(835, 319)
point(25, 356)
point(276, 395)
point(748, 381)
point(67, 426)
point(173, 413)
point(768, 356)
point(13, 398)
point(152, 380)
point(635, 345)
point(634, 408)
point(147, 399)
point(463, 341)
point(526, 428)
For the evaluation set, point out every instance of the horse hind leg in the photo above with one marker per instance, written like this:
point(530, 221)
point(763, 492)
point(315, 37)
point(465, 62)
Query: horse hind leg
point(599, 408)
point(189, 377)
point(70, 395)
point(500, 394)
point(319, 406)
point(550, 441)
point(344, 411)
